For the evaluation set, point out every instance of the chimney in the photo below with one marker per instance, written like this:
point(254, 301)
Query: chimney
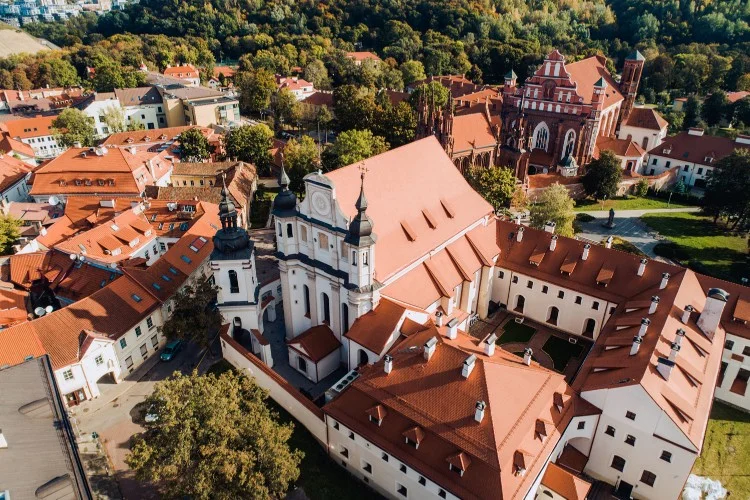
point(680, 336)
point(518, 219)
point(586, 249)
point(550, 226)
point(489, 345)
point(468, 366)
point(686, 313)
point(664, 367)
point(429, 348)
point(644, 326)
point(608, 243)
point(664, 281)
point(654, 304)
point(674, 351)
point(636, 345)
point(697, 131)
point(77, 144)
point(527, 353)
point(479, 411)
point(642, 267)
point(452, 329)
point(519, 235)
point(439, 318)
point(709, 319)
point(388, 365)
point(553, 243)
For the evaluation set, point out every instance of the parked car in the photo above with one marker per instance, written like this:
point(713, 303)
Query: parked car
point(171, 350)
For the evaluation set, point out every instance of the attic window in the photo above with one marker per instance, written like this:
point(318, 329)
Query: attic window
point(186, 259)
point(153, 217)
point(458, 463)
point(413, 437)
point(62, 182)
point(137, 298)
point(156, 286)
point(78, 182)
point(165, 277)
point(100, 182)
point(173, 271)
point(110, 182)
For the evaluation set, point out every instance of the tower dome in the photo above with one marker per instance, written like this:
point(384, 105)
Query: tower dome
point(285, 203)
point(360, 228)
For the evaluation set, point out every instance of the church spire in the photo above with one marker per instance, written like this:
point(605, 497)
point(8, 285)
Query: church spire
point(285, 203)
point(227, 210)
point(360, 228)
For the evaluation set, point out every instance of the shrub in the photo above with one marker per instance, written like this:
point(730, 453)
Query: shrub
point(584, 217)
point(670, 250)
point(641, 188)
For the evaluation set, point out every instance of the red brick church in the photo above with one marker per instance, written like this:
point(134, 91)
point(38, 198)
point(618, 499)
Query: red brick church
point(553, 122)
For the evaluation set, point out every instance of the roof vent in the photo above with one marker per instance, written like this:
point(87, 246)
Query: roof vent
point(452, 329)
point(664, 367)
point(439, 318)
point(489, 345)
point(664, 281)
point(527, 354)
point(654, 304)
point(388, 364)
point(550, 226)
point(553, 243)
point(468, 366)
point(636, 345)
point(479, 411)
point(697, 131)
point(519, 234)
point(686, 313)
point(644, 326)
point(642, 267)
point(586, 250)
point(429, 348)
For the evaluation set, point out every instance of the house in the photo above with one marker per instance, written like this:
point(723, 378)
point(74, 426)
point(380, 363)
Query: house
point(97, 106)
point(17, 149)
point(297, 86)
point(40, 454)
point(34, 217)
point(165, 140)
point(223, 77)
point(393, 295)
point(630, 154)
point(142, 106)
point(36, 132)
point(14, 176)
point(100, 171)
point(186, 72)
point(694, 153)
point(645, 127)
point(359, 57)
point(35, 101)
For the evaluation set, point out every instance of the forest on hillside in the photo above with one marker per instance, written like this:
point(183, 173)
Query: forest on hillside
point(691, 46)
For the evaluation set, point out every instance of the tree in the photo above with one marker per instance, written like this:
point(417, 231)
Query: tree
point(114, 118)
point(603, 176)
point(496, 184)
point(214, 437)
point(692, 112)
point(519, 201)
point(433, 94)
point(193, 145)
point(714, 108)
point(412, 71)
point(641, 188)
point(727, 188)
point(10, 231)
point(556, 205)
point(256, 89)
point(352, 146)
point(399, 124)
point(317, 74)
point(741, 112)
point(300, 159)
point(250, 144)
point(72, 127)
point(285, 108)
point(323, 119)
point(194, 314)
point(354, 107)
point(743, 82)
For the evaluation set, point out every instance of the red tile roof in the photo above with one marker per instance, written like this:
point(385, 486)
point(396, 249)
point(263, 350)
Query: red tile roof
point(690, 148)
point(620, 147)
point(25, 128)
point(564, 483)
point(11, 145)
point(14, 348)
point(647, 118)
point(373, 329)
point(151, 137)
point(227, 71)
point(315, 343)
point(361, 56)
point(586, 73)
point(182, 71)
point(319, 98)
point(12, 170)
point(472, 131)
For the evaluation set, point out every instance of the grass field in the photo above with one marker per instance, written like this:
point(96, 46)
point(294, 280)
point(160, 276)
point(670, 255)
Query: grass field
point(706, 247)
point(514, 332)
point(629, 203)
point(726, 450)
point(561, 351)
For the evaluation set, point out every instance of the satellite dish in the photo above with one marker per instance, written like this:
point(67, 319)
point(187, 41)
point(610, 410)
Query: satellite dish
point(39, 311)
point(54, 200)
point(73, 256)
point(81, 258)
point(49, 309)
point(113, 265)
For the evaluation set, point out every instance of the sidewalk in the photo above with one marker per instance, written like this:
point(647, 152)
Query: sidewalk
point(603, 214)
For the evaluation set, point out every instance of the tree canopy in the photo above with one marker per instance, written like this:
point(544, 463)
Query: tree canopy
point(194, 145)
point(10, 231)
point(603, 176)
point(72, 127)
point(300, 159)
point(726, 191)
point(194, 315)
point(250, 143)
point(556, 205)
point(496, 184)
point(353, 146)
point(214, 437)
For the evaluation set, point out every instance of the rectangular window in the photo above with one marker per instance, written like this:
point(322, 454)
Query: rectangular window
point(402, 468)
point(700, 171)
point(144, 351)
point(501, 274)
point(138, 331)
point(323, 241)
point(303, 233)
point(667, 165)
point(99, 360)
point(630, 439)
point(162, 246)
point(685, 168)
point(129, 362)
point(68, 374)
point(610, 431)
point(581, 425)
point(618, 463)
point(560, 294)
point(666, 456)
point(579, 299)
point(149, 323)
point(545, 289)
point(728, 345)
point(630, 415)
point(746, 351)
point(442, 493)
point(648, 478)
point(154, 341)
point(529, 284)
point(401, 490)
point(367, 467)
point(515, 279)
point(653, 162)
point(384, 456)
point(422, 480)
point(595, 306)
point(123, 343)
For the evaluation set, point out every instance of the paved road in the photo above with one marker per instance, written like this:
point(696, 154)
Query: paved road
point(603, 214)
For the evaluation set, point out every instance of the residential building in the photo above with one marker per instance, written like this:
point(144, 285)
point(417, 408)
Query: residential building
point(97, 106)
point(17, 149)
point(39, 456)
point(144, 106)
point(35, 217)
point(14, 177)
point(36, 132)
point(24, 102)
point(185, 72)
point(630, 154)
point(645, 127)
point(223, 77)
point(299, 87)
point(198, 106)
point(359, 57)
point(693, 153)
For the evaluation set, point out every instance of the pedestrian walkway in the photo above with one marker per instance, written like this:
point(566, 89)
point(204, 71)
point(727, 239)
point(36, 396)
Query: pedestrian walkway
point(603, 214)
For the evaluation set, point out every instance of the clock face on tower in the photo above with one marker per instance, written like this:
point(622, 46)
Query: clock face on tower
point(320, 203)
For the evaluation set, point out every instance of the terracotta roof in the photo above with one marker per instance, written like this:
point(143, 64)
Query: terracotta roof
point(564, 483)
point(361, 56)
point(10, 145)
point(620, 147)
point(319, 98)
point(315, 343)
point(647, 118)
point(733, 97)
point(25, 128)
point(292, 83)
point(227, 71)
point(12, 170)
point(413, 397)
point(182, 71)
point(374, 329)
point(15, 349)
point(138, 96)
point(429, 181)
point(151, 137)
point(691, 148)
point(472, 131)
point(457, 85)
point(12, 307)
point(43, 213)
point(206, 169)
point(585, 74)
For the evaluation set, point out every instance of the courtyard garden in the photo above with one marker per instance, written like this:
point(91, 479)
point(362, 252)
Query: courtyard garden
point(516, 332)
point(561, 351)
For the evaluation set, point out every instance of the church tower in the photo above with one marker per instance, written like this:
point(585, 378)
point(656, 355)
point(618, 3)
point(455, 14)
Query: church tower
point(631, 78)
point(362, 244)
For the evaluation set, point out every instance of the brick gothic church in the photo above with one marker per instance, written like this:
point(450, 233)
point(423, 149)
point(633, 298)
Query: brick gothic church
point(552, 123)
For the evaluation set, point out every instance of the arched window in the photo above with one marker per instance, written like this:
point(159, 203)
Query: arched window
point(548, 493)
point(644, 144)
point(234, 284)
point(326, 308)
point(570, 142)
point(289, 231)
point(589, 327)
point(541, 136)
point(280, 232)
point(362, 358)
point(344, 318)
point(554, 312)
point(354, 257)
point(520, 302)
point(306, 298)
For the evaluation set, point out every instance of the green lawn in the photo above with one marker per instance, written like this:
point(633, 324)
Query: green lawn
point(629, 203)
point(561, 351)
point(514, 332)
point(726, 450)
point(703, 245)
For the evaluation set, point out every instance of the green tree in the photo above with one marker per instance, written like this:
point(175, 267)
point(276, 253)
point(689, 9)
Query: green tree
point(194, 314)
point(256, 89)
point(214, 437)
point(743, 82)
point(692, 112)
point(412, 71)
point(250, 144)
point(10, 231)
point(641, 188)
point(354, 107)
point(108, 77)
point(72, 127)
point(285, 108)
point(432, 94)
point(352, 146)
point(300, 159)
point(741, 112)
point(114, 118)
point(556, 205)
point(714, 108)
point(323, 120)
point(193, 145)
point(603, 176)
point(726, 191)
point(399, 124)
point(496, 184)
point(317, 74)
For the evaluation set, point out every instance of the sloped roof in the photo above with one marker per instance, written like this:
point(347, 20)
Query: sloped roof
point(373, 329)
point(621, 147)
point(11, 145)
point(150, 137)
point(472, 131)
point(587, 72)
point(315, 343)
point(25, 128)
point(12, 170)
point(696, 148)
point(564, 483)
point(138, 96)
point(647, 118)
